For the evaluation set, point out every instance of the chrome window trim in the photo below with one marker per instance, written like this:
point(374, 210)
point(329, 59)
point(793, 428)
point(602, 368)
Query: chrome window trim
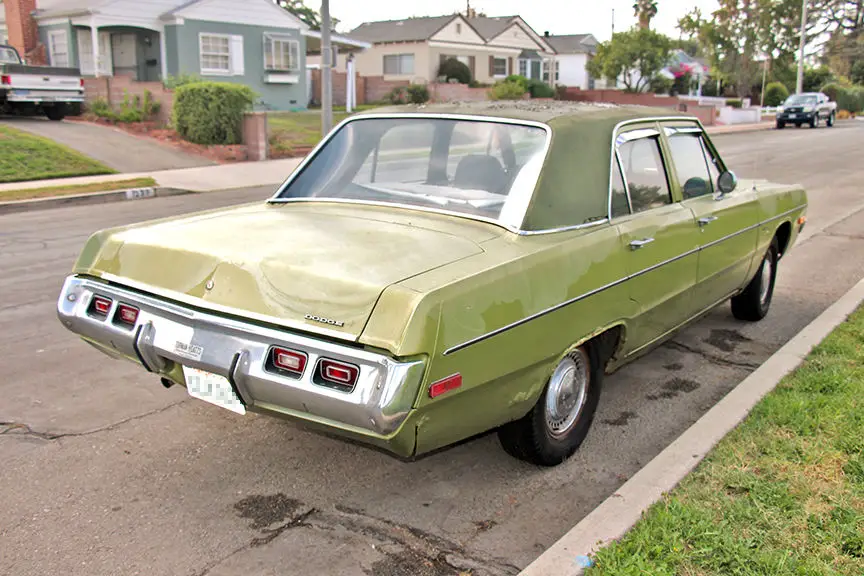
point(651, 268)
point(614, 148)
point(673, 130)
point(514, 226)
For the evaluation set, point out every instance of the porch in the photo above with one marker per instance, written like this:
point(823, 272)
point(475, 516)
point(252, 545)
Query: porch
point(120, 50)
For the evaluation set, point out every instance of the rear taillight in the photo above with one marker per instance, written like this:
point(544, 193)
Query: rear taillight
point(99, 306)
point(126, 315)
point(81, 82)
point(336, 374)
point(287, 362)
point(6, 80)
point(446, 385)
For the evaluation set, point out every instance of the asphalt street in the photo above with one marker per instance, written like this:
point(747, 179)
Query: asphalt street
point(106, 472)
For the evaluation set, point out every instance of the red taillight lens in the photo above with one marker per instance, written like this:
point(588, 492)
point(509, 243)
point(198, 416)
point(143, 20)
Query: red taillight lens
point(446, 385)
point(290, 361)
point(340, 374)
point(6, 80)
point(126, 314)
point(81, 82)
point(100, 306)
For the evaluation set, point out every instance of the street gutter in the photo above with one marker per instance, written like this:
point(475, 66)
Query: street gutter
point(14, 206)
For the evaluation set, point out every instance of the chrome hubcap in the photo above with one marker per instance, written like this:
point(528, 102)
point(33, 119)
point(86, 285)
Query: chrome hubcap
point(568, 391)
point(765, 284)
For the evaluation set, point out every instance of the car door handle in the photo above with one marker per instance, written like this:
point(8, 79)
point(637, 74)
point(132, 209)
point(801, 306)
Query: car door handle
point(636, 244)
point(705, 220)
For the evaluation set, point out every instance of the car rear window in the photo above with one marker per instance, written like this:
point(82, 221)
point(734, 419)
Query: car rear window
point(480, 168)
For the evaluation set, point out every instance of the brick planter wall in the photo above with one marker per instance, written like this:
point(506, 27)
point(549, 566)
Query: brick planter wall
point(457, 92)
point(114, 89)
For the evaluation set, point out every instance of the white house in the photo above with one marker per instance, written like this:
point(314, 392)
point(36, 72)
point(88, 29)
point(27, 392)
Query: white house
point(573, 53)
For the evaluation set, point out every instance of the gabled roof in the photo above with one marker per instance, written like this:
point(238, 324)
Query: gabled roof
point(489, 28)
point(405, 30)
point(573, 43)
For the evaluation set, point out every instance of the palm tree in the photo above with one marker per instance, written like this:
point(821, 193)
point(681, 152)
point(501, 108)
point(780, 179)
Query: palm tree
point(645, 10)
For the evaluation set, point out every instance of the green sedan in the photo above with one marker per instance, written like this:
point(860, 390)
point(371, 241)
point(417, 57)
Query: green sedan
point(428, 274)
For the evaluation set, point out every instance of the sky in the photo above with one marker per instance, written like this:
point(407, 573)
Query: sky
point(554, 16)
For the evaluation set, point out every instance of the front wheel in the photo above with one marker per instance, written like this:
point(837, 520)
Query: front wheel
point(559, 422)
point(814, 121)
point(753, 303)
point(781, 125)
point(830, 121)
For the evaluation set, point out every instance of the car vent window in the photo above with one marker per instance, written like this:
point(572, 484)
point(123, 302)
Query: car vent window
point(620, 205)
point(690, 165)
point(646, 177)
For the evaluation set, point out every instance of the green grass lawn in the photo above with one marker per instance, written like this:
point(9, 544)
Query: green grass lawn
point(24, 156)
point(783, 494)
point(292, 130)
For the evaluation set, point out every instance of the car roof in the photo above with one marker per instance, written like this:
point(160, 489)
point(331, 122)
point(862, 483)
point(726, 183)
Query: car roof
point(574, 183)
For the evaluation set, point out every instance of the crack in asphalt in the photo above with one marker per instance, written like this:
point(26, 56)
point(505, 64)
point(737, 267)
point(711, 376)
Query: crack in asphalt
point(16, 429)
point(719, 360)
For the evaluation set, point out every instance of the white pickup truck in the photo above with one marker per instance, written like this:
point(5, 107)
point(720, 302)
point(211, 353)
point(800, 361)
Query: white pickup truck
point(30, 90)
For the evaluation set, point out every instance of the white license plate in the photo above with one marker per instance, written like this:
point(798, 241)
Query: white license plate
point(793, 115)
point(212, 388)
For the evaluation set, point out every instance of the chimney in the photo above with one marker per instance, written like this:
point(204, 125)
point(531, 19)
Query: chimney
point(546, 34)
point(22, 30)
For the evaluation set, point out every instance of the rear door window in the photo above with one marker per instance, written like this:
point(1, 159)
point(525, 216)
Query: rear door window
point(643, 168)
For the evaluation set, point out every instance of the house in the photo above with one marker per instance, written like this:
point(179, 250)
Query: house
point(412, 49)
point(253, 42)
point(681, 63)
point(574, 51)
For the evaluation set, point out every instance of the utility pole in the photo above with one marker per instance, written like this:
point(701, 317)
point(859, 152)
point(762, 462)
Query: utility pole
point(326, 71)
point(799, 87)
point(613, 21)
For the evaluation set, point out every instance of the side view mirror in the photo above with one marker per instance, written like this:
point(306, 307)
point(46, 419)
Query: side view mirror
point(727, 182)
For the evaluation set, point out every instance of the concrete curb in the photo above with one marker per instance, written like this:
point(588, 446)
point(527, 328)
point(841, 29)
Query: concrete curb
point(740, 129)
point(618, 513)
point(91, 198)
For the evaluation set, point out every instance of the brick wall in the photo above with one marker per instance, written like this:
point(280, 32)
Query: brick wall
point(22, 30)
point(455, 92)
point(705, 113)
point(114, 89)
point(618, 97)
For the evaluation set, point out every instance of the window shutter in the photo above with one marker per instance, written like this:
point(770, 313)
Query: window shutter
point(237, 55)
point(471, 61)
point(509, 65)
point(491, 66)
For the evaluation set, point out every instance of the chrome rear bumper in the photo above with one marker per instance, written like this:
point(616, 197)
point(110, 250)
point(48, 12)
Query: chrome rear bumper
point(167, 336)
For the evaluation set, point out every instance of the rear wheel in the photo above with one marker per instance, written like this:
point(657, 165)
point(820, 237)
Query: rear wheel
point(753, 303)
point(830, 121)
point(57, 112)
point(559, 422)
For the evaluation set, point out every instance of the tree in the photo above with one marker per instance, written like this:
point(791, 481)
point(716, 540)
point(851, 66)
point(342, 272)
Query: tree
point(645, 10)
point(309, 16)
point(636, 56)
point(775, 94)
point(453, 68)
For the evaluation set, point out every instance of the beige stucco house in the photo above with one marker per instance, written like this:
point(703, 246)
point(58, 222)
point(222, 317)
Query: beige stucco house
point(413, 48)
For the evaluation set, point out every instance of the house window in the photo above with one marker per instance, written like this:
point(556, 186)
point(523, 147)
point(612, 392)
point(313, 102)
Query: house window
point(215, 54)
point(458, 28)
point(499, 67)
point(58, 48)
point(557, 70)
point(281, 53)
point(523, 68)
point(399, 64)
point(546, 71)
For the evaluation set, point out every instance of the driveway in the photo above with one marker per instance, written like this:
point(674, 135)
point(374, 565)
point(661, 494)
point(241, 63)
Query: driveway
point(106, 472)
point(114, 148)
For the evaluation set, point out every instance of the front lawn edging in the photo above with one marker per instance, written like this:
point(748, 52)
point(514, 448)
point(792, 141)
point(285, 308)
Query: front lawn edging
point(613, 518)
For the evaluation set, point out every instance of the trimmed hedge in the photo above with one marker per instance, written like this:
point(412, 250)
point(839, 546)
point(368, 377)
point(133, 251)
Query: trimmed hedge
point(211, 112)
point(540, 89)
point(454, 69)
point(507, 90)
point(775, 94)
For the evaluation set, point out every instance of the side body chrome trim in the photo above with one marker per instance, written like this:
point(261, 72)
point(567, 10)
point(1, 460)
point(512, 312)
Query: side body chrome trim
point(556, 307)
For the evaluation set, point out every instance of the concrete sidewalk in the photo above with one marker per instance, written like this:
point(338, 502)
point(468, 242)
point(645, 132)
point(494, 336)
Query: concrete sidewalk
point(732, 128)
point(199, 179)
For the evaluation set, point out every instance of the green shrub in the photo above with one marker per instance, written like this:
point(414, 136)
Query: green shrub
point(100, 108)
point(848, 98)
point(540, 89)
point(857, 73)
point(775, 94)
point(211, 112)
point(399, 95)
point(411, 94)
point(832, 90)
point(522, 80)
point(507, 91)
point(661, 85)
point(734, 102)
point(453, 68)
point(172, 82)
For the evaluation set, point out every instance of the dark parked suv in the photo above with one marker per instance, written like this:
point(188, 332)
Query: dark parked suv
point(807, 108)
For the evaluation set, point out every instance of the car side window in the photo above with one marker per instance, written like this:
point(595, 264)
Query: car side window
point(620, 206)
point(691, 165)
point(646, 177)
point(713, 163)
